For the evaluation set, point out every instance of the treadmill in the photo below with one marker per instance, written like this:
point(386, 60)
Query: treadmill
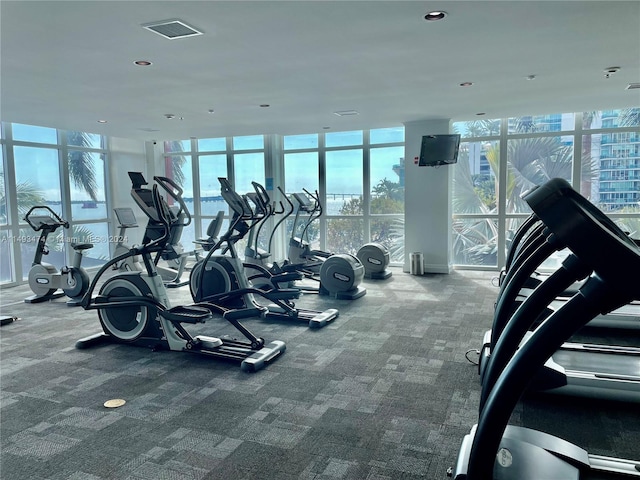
point(589, 370)
point(495, 450)
point(530, 232)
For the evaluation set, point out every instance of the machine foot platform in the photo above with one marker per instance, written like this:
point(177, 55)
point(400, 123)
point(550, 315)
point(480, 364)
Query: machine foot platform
point(262, 357)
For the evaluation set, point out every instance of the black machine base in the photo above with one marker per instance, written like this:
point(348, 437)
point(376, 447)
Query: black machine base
point(378, 275)
point(352, 294)
point(7, 319)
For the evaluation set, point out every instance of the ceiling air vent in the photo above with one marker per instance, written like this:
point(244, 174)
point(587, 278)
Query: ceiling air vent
point(631, 86)
point(172, 29)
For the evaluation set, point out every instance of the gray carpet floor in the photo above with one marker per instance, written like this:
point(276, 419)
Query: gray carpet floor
point(384, 392)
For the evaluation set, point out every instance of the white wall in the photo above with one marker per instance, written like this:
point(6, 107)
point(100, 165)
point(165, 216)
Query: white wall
point(126, 155)
point(427, 218)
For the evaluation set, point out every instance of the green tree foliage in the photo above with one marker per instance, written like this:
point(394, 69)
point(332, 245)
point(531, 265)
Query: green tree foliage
point(82, 171)
point(347, 235)
point(530, 161)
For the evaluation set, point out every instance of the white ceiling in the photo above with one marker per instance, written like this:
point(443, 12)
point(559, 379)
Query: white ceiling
point(68, 64)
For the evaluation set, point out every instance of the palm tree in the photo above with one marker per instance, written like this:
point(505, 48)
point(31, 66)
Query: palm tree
point(81, 167)
point(629, 117)
point(175, 163)
point(27, 195)
point(530, 161)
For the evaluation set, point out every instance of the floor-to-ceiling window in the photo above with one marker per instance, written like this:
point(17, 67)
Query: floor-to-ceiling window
point(598, 152)
point(62, 170)
point(358, 177)
point(197, 164)
point(359, 180)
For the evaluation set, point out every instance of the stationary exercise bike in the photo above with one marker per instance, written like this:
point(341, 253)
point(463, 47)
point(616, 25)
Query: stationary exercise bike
point(134, 308)
point(45, 280)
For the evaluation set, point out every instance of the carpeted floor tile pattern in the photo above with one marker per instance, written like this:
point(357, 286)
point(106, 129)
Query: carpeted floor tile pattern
point(383, 392)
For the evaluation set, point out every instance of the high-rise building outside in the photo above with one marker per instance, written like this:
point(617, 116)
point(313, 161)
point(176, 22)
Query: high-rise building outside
point(619, 162)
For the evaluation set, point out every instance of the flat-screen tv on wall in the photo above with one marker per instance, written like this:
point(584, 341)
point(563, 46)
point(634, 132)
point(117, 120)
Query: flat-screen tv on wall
point(439, 150)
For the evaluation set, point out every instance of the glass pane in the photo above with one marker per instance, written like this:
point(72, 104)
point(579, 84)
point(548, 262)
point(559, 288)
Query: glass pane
point(212, 167)
point(475, 241)
point(177, 146)
point(344, 182)
point(292, 142)
point(248, 167)
point(30, 133)
point(627, 117)
point(558, 122)
point(37, 178)
point(477, 128)
point(533, 161)
point(630, 225)
point(83, 139)
point(95, 233)
point(187, 237)
point(212, 144)
point(4, 213)
point(343, 139)
point(345, 235)
point(301, 171)
point(610, 175)
point(253, 142)
point(86, 178)
point(387, 180)
point(474, 180)
point(179, 169)
point(6, 257)
point(386, 135)
point(389, 231)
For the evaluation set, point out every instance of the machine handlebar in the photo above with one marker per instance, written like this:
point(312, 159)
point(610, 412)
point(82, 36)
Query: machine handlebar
point(51, 220)
point(175, 191)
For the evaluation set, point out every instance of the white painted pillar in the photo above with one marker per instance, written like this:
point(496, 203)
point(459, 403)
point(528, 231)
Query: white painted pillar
point(428, 208)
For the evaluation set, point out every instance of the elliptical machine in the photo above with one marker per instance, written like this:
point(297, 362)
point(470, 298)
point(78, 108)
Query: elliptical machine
point(134, 308)
point(375, 258)
point(44, 279)
point(222, 279)
point(173, 253)
point(300, 251)
point(340, 273)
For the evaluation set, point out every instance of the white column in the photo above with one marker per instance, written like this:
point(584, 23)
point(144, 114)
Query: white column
point(125, 156)
point(428, 209)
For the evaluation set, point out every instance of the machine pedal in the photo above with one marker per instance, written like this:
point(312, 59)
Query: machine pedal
point(262, 357)
point(208, 343)
point(322, 318)
point(187, 314)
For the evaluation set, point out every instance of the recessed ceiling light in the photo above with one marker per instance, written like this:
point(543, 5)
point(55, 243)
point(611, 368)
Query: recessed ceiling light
point(480, 114)
point(102, 121)
point(466, 84)
point(435, 15)
point(142, 63)
point(169, 116)
point(326, 128)
point(211, 110)
point(264, 105)
point(530, 77)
